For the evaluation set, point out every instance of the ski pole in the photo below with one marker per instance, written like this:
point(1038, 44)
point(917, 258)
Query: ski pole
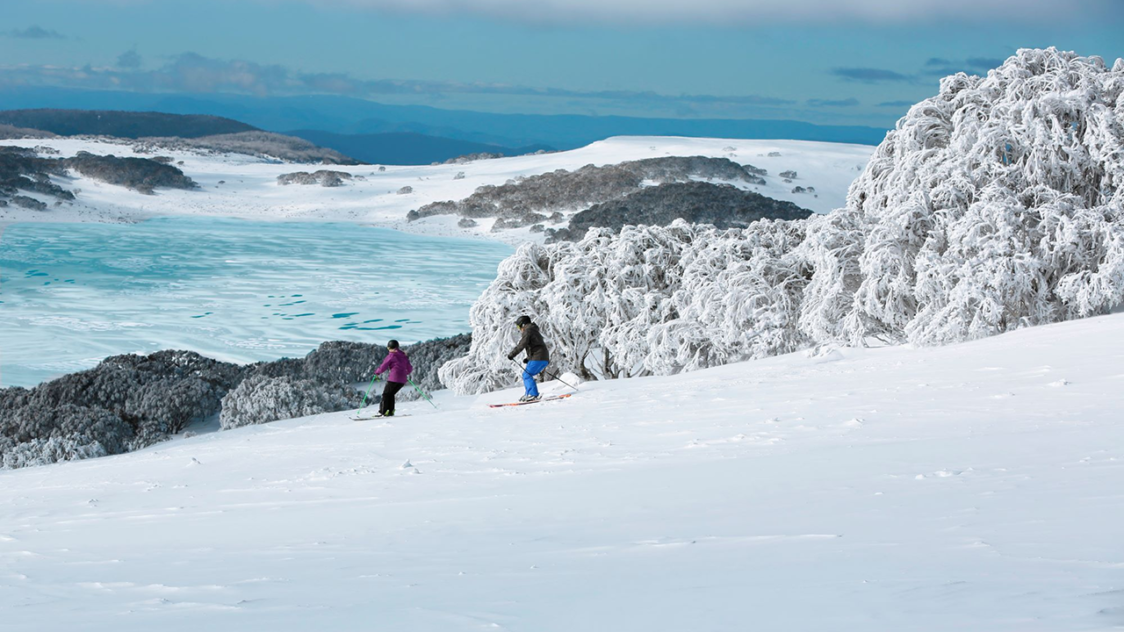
point(364, 402)
point(555, 376)
point(418, 389)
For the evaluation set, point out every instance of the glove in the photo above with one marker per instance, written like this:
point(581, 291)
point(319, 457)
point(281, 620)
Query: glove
point(526, 360)
point(510, 357)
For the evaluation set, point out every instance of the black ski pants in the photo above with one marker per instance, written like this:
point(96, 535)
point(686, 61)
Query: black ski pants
point(386, 404)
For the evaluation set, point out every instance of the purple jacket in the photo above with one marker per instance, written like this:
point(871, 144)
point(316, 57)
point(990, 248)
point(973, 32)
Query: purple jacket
point(399, 366)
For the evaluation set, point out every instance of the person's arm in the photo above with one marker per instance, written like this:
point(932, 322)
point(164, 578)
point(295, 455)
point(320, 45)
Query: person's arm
point(385, 364)
point(409, 367)
point(522, 343)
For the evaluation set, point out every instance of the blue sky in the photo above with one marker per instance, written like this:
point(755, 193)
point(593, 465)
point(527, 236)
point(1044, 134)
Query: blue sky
point(824, 61)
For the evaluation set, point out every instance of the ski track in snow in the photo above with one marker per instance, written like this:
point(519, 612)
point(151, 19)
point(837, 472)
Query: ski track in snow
point(882, 489)
point(233, 185)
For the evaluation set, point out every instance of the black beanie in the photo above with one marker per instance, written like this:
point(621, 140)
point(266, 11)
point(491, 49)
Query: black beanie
point(393, 344)
point(522, 320)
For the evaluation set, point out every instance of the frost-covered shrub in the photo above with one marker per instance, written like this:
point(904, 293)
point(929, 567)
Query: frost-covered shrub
point(261, 399)
point(426, 357)
point(342, 363)
point(31, 434)
point(125, 403)
point(996, 204)
point(993, 205)
point(652, 300)
point(157, 394)
point(739, 298)
point(46, 451)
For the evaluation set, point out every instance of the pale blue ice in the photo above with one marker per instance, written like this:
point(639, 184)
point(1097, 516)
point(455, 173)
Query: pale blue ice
point(72, 294)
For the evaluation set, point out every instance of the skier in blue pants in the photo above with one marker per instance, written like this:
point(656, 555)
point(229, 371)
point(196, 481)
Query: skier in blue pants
point(537, 356)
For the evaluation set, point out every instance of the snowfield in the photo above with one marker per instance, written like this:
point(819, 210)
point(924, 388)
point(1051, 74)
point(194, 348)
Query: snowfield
point(968, 487)
point(233, 185)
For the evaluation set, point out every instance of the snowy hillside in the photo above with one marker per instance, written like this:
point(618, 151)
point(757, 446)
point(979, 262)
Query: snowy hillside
point(241, 186)
point(967, 487)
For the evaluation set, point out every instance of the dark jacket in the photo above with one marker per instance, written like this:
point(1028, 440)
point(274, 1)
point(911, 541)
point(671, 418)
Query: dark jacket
point(533, 343)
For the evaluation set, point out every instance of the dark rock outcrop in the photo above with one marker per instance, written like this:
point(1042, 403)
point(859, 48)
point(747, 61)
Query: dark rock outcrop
point(527, 201)
point(467, 158)
point(722, 205)
point(24, 170)
point(323, 177)
point(139, 174)
point(24, 201)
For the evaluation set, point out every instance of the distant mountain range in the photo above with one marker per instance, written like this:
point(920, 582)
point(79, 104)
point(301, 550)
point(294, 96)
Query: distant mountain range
point(348, 116)
point(121, 124)
point(395, 148)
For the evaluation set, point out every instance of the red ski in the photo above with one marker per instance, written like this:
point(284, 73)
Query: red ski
point(545, 399)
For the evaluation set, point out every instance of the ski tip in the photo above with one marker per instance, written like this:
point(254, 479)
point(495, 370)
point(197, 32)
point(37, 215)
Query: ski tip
point(545, 399)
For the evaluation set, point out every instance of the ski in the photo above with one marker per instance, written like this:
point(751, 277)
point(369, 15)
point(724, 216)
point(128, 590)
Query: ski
point(545, 399)
point(372, 417)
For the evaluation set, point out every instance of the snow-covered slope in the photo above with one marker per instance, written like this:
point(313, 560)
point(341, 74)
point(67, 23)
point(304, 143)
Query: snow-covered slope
point(966, 487)
point(241, 186)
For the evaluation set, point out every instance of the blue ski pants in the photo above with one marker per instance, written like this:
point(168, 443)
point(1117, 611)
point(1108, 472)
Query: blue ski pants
point(533, 368)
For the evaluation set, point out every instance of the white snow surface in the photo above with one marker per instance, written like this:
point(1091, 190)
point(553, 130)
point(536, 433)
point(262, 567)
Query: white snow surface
point(974, 486)
point(233, 185)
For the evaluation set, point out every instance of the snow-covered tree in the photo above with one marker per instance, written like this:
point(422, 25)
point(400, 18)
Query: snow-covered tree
point(651, 300)
point(995, 204)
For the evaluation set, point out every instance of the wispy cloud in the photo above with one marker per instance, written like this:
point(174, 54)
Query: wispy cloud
point(197, 74)
point(870, 75)
point(933, 67)
point(895, 104)
point(33, 32)
point(130, 59)
point(937, 67)
point(833, 103)
point(983, 63)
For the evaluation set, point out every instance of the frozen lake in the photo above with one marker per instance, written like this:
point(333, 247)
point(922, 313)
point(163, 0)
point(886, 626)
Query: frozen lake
point(72, 294)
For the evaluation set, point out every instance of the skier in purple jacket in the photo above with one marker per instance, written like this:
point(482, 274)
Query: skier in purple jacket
point(399, 366)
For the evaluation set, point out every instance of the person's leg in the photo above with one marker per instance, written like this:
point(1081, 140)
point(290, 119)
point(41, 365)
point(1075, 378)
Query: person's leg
point(532, 369)
point(386, 404)
point(392, 389)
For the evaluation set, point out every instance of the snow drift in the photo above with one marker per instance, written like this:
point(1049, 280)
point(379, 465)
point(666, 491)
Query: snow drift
point(993, 205)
